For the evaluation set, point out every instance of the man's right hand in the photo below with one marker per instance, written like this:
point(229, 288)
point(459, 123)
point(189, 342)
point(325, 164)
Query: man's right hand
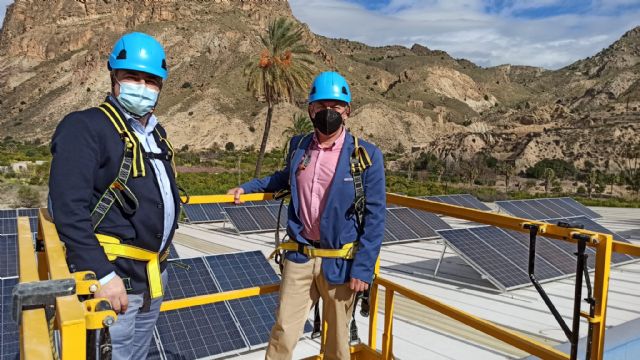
point(236, 192)
point(115, 292)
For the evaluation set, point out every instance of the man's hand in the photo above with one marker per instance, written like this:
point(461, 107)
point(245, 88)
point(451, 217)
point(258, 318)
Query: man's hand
point(358, 285)
point(236, 192)
point(115, 292)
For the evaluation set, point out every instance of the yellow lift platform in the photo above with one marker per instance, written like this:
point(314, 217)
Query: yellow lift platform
point(53, 299)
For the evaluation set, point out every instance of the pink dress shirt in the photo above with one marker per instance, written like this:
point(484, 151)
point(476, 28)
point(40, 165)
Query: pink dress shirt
point(314, 176)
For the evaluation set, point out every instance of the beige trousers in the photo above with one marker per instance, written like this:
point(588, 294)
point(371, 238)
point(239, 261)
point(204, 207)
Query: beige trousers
point(301, 286)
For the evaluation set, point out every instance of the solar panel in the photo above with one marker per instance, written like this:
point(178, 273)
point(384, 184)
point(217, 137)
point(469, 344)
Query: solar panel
point(484, 258)
point(283, 215)
point(201, 331)
point(465, 200)
point(8, 255)
point(33, 212)
point(580, 209)
point(434, 221)
point(173, 254)
point(560, 259)
point(9, 337)
point(263, 217)
point(422, 229)
point(397, 229)
point(194, 213)
point(256, 314)
point(515, 252)
point(154, 349)
point(8, 226)
point(541, 209)
point(7, 213)
point(241, 219)
point(213, 212)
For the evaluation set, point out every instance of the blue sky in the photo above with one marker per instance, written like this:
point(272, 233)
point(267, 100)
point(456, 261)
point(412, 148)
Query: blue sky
point(546, 33)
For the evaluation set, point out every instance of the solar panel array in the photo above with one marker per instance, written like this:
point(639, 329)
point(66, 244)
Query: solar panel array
point(256, 218)
point(464, 200)
point(542, 209)
point(502, 256)
point(219, 329)
point(206, 213)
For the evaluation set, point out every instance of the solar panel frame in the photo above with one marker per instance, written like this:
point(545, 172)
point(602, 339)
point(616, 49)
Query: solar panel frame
point(581, 208)
point(29, 212)
point(194, 212)
point(397, 228)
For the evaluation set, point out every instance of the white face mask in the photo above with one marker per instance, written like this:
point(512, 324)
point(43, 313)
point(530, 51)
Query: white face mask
point(137, 98)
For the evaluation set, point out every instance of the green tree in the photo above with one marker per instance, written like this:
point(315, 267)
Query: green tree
point(281, 68)
point(629, 164)
point(508, 171)
point(549, 175)
point(592, 182)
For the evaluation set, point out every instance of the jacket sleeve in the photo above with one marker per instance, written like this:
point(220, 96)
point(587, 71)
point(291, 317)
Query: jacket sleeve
point(374, 218)
point(279, 180)
point(76, 158)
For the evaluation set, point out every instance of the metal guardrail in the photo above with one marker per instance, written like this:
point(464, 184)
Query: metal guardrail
point(73, 318)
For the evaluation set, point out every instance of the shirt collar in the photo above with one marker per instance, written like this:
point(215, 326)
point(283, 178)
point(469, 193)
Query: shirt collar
point(336, 144)
point(135, 124)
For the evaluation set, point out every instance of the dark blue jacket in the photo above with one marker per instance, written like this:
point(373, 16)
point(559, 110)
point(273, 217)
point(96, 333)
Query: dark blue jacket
point(87, 152)
point(337, 223)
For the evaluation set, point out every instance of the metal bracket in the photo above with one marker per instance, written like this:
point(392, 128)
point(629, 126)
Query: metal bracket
point(98, 314)
point(86, 283)
point(39, 294)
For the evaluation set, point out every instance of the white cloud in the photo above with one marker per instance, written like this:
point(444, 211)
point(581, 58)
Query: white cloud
point(464, 29)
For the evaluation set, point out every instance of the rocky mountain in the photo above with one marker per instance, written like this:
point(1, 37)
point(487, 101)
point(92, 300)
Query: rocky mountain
point(53, 60)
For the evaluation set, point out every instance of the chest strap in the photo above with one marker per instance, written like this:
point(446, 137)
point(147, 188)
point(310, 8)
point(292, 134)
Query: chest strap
point(114, 249)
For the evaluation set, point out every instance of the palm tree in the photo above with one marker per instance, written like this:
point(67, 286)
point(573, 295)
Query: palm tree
point(301, 125)
point(281, 68)
point(549, 175)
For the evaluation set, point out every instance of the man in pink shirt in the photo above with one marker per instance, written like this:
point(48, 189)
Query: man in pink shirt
point(337, 205)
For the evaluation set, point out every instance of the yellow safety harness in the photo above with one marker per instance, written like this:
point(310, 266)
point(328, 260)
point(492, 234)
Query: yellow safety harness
point(359, 162)
point(118, 192)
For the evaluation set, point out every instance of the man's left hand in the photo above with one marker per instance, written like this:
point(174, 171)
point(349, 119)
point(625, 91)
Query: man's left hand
point(358, 285)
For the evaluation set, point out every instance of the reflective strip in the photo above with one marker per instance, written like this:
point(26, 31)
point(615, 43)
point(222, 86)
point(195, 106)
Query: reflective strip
point(114, 249)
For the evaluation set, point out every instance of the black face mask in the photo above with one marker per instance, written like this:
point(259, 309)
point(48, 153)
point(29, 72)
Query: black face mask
point(327, 121)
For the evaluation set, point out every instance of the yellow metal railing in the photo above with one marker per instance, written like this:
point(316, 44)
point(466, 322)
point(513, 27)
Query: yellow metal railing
point(73, 318)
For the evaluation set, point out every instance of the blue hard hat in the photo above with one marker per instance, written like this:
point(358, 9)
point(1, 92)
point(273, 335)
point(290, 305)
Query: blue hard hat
point(139, 52)
point(330, 86)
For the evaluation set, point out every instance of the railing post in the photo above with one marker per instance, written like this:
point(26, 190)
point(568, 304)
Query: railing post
point(387, 335)
point(73, 331)
point(373, 308)
point(601, 291)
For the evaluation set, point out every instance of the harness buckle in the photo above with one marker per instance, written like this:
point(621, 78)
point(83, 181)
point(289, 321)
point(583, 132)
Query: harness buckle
point(301, 248)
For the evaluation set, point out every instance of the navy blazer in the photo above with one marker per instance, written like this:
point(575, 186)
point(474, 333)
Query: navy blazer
point(87, 152)
point(337, 222)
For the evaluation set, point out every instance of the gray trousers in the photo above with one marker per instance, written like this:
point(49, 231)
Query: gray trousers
point(132, 332)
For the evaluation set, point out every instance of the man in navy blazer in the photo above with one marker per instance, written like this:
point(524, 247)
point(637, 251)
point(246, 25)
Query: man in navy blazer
point(322, 216)
point(112, 189)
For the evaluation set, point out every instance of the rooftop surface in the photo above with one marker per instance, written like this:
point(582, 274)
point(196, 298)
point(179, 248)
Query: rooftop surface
point(420, 333)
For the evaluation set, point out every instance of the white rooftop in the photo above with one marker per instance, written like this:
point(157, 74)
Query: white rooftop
point(421, 333)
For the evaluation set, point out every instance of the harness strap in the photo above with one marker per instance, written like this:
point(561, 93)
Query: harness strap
point(114, 249)
point(123, 131)
point(346, 252)
point(170, 153)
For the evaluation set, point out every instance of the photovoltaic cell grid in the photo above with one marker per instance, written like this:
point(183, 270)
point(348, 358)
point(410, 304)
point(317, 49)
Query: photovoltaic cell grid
point(551, 208)
point(465, 200)
point(404, 224)
point(219, 329)
point(8, 256)
point(205, 213)
point(255, 218)
point(9, 336)
point(502, 256)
